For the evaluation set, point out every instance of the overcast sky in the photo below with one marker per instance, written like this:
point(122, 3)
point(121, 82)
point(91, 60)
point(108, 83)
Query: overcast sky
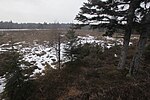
point(39, 10)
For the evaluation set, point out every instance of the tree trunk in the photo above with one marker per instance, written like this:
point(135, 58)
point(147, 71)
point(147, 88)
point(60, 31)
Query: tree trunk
point(124, 50)
point(133, 5)
point(59, 50)
point(134, 66)
point(138, 55)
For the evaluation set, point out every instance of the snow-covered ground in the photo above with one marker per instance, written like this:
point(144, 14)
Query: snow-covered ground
point(42, 55)
point(45, 55)
point(2, 84)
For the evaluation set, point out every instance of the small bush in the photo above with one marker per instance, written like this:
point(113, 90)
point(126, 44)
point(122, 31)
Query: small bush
point(90, 54)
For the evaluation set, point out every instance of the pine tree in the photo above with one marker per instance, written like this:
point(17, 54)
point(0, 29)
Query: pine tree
point(70, 49)
point(110, 14)
point(18, 85)
point(113, 15)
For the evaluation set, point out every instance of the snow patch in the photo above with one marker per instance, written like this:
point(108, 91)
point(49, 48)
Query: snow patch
point(45, 55)
point(2, 84)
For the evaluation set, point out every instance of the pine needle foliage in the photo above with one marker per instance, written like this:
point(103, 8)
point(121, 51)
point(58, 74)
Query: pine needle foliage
point(18, 85)
point(72, 42)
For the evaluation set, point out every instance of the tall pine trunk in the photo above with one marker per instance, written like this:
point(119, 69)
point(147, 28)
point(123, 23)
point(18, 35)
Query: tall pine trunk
point(124, 50)
point(134, 66)
point(132, 6)
point(136, 61)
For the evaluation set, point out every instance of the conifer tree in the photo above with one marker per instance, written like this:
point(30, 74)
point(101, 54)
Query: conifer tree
point(110, 14)
point(70, 49)
point(113, 15)
point(18, 84)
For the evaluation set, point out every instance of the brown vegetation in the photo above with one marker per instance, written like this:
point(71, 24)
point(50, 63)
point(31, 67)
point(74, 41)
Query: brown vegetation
point(40, 35)
point(93, 77)
point(77, 81)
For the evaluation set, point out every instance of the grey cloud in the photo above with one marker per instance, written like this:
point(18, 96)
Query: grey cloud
point(39, 10)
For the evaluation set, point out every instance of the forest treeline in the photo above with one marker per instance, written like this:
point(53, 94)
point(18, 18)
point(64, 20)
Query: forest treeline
point(12, 25)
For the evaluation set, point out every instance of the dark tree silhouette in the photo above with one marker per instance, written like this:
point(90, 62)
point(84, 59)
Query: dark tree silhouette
point(113, 15)
point(144, 33)
point(18, 84)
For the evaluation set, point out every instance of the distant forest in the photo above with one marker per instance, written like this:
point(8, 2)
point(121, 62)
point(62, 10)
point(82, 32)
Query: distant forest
point(12, 25)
